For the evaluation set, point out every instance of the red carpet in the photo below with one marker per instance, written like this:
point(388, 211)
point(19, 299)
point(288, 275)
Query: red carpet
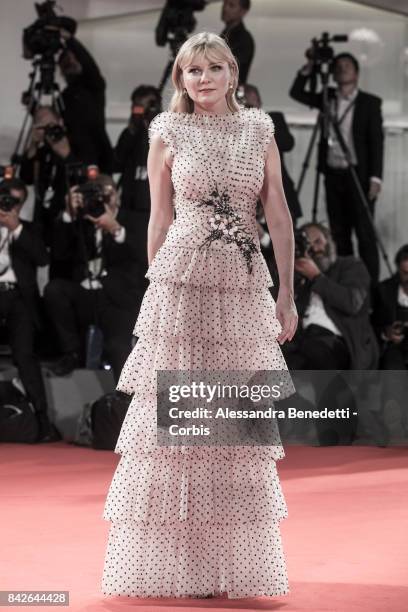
point(346, 538)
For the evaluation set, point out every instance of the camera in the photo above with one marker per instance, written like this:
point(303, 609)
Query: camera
point(177, 21)
point(38, 38)
point(302, 244)
point(321, 53)
point(83, 178)
point(54, 132)
point(94, 199)
point(7, 201)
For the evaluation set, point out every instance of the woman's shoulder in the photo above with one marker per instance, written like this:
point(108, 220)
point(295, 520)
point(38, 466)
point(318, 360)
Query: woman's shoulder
point(161, 119)
point(260, 118)
point(162, 125)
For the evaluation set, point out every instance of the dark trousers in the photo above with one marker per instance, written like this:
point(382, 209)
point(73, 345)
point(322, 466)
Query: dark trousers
point(317, 348)
point(72, 309)
point(347, 213)
point(395, 356)
point(15, 314)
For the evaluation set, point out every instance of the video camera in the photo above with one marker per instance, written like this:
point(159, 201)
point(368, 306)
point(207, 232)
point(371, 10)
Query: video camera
point(322, 54)
point(177, 21)
point(84, 178)
point(39, 38)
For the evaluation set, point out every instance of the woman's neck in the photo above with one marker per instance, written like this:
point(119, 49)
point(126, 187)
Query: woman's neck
point(216, 109)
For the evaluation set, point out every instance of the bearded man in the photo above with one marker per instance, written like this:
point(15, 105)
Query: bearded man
point(332, 295)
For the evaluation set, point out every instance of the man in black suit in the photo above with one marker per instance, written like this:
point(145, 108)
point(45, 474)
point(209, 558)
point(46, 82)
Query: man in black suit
point(21, 252)
point(390, 316)
point(390, 320)
point(285, 143)
point(105, 286)
point(84, 104)
point(359, 117)
point(237, 36)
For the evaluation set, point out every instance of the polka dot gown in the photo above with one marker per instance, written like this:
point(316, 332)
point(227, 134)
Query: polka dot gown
point(189, 521)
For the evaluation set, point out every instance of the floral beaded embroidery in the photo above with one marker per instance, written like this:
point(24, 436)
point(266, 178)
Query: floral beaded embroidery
point(227, 225)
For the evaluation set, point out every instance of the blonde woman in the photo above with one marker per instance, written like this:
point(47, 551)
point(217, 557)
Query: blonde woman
point(197, 521)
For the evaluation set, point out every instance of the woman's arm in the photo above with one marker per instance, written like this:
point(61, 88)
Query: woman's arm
point(280, 229)
point(161, 195)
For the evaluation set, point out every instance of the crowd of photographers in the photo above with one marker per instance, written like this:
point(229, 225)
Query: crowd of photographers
point(92, 235)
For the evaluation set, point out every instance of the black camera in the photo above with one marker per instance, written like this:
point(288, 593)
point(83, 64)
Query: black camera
point(321, 53)
point(83, 178)
point(54, 132)
point(38, 38)
point(302, 244)
point(7, 201)
point(94, 199)
point(177, 21)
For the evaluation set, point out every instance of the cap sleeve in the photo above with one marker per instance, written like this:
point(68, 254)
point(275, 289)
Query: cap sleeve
point(267, 131)
point(162, 124)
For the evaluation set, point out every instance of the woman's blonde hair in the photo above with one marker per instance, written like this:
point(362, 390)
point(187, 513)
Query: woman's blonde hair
point(214, 48)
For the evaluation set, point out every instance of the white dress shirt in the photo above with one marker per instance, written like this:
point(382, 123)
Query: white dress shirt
point(7, 274)
point(316, 314)
point(402, 298)
point(342, 109)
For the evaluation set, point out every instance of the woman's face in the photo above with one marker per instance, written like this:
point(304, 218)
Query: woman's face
point(207, 82)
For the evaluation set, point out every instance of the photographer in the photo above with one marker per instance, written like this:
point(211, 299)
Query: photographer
point(390, 320)
point(332, 298)
point(21, 252)
point(130, 158)
point(84, 104)
point(100, 242)
point(358, 115)
point(130, 153)
point(43, 165)
point(390, 315)
point(285, 143)
point(237, 36)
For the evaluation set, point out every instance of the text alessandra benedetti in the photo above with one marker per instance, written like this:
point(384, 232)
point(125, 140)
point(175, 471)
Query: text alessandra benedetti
point(268, 413)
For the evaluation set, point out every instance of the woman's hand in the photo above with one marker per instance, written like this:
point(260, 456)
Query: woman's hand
point(287, 316)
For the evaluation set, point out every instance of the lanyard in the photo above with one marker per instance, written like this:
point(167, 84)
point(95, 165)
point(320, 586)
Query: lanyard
point(345, 112)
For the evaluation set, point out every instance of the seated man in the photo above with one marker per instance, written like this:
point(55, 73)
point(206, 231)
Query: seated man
point(105, 289)
point(21, 251)
point(390, 315)
point(332, 299)
point(390, 319)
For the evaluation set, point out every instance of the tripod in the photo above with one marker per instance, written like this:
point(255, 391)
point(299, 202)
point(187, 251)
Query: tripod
point(41, 84)
point(324, 122)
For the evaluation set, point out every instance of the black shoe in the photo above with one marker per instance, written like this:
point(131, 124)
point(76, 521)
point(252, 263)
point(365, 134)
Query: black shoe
point(66, 364)
point(47, 432)
point(48, 435)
